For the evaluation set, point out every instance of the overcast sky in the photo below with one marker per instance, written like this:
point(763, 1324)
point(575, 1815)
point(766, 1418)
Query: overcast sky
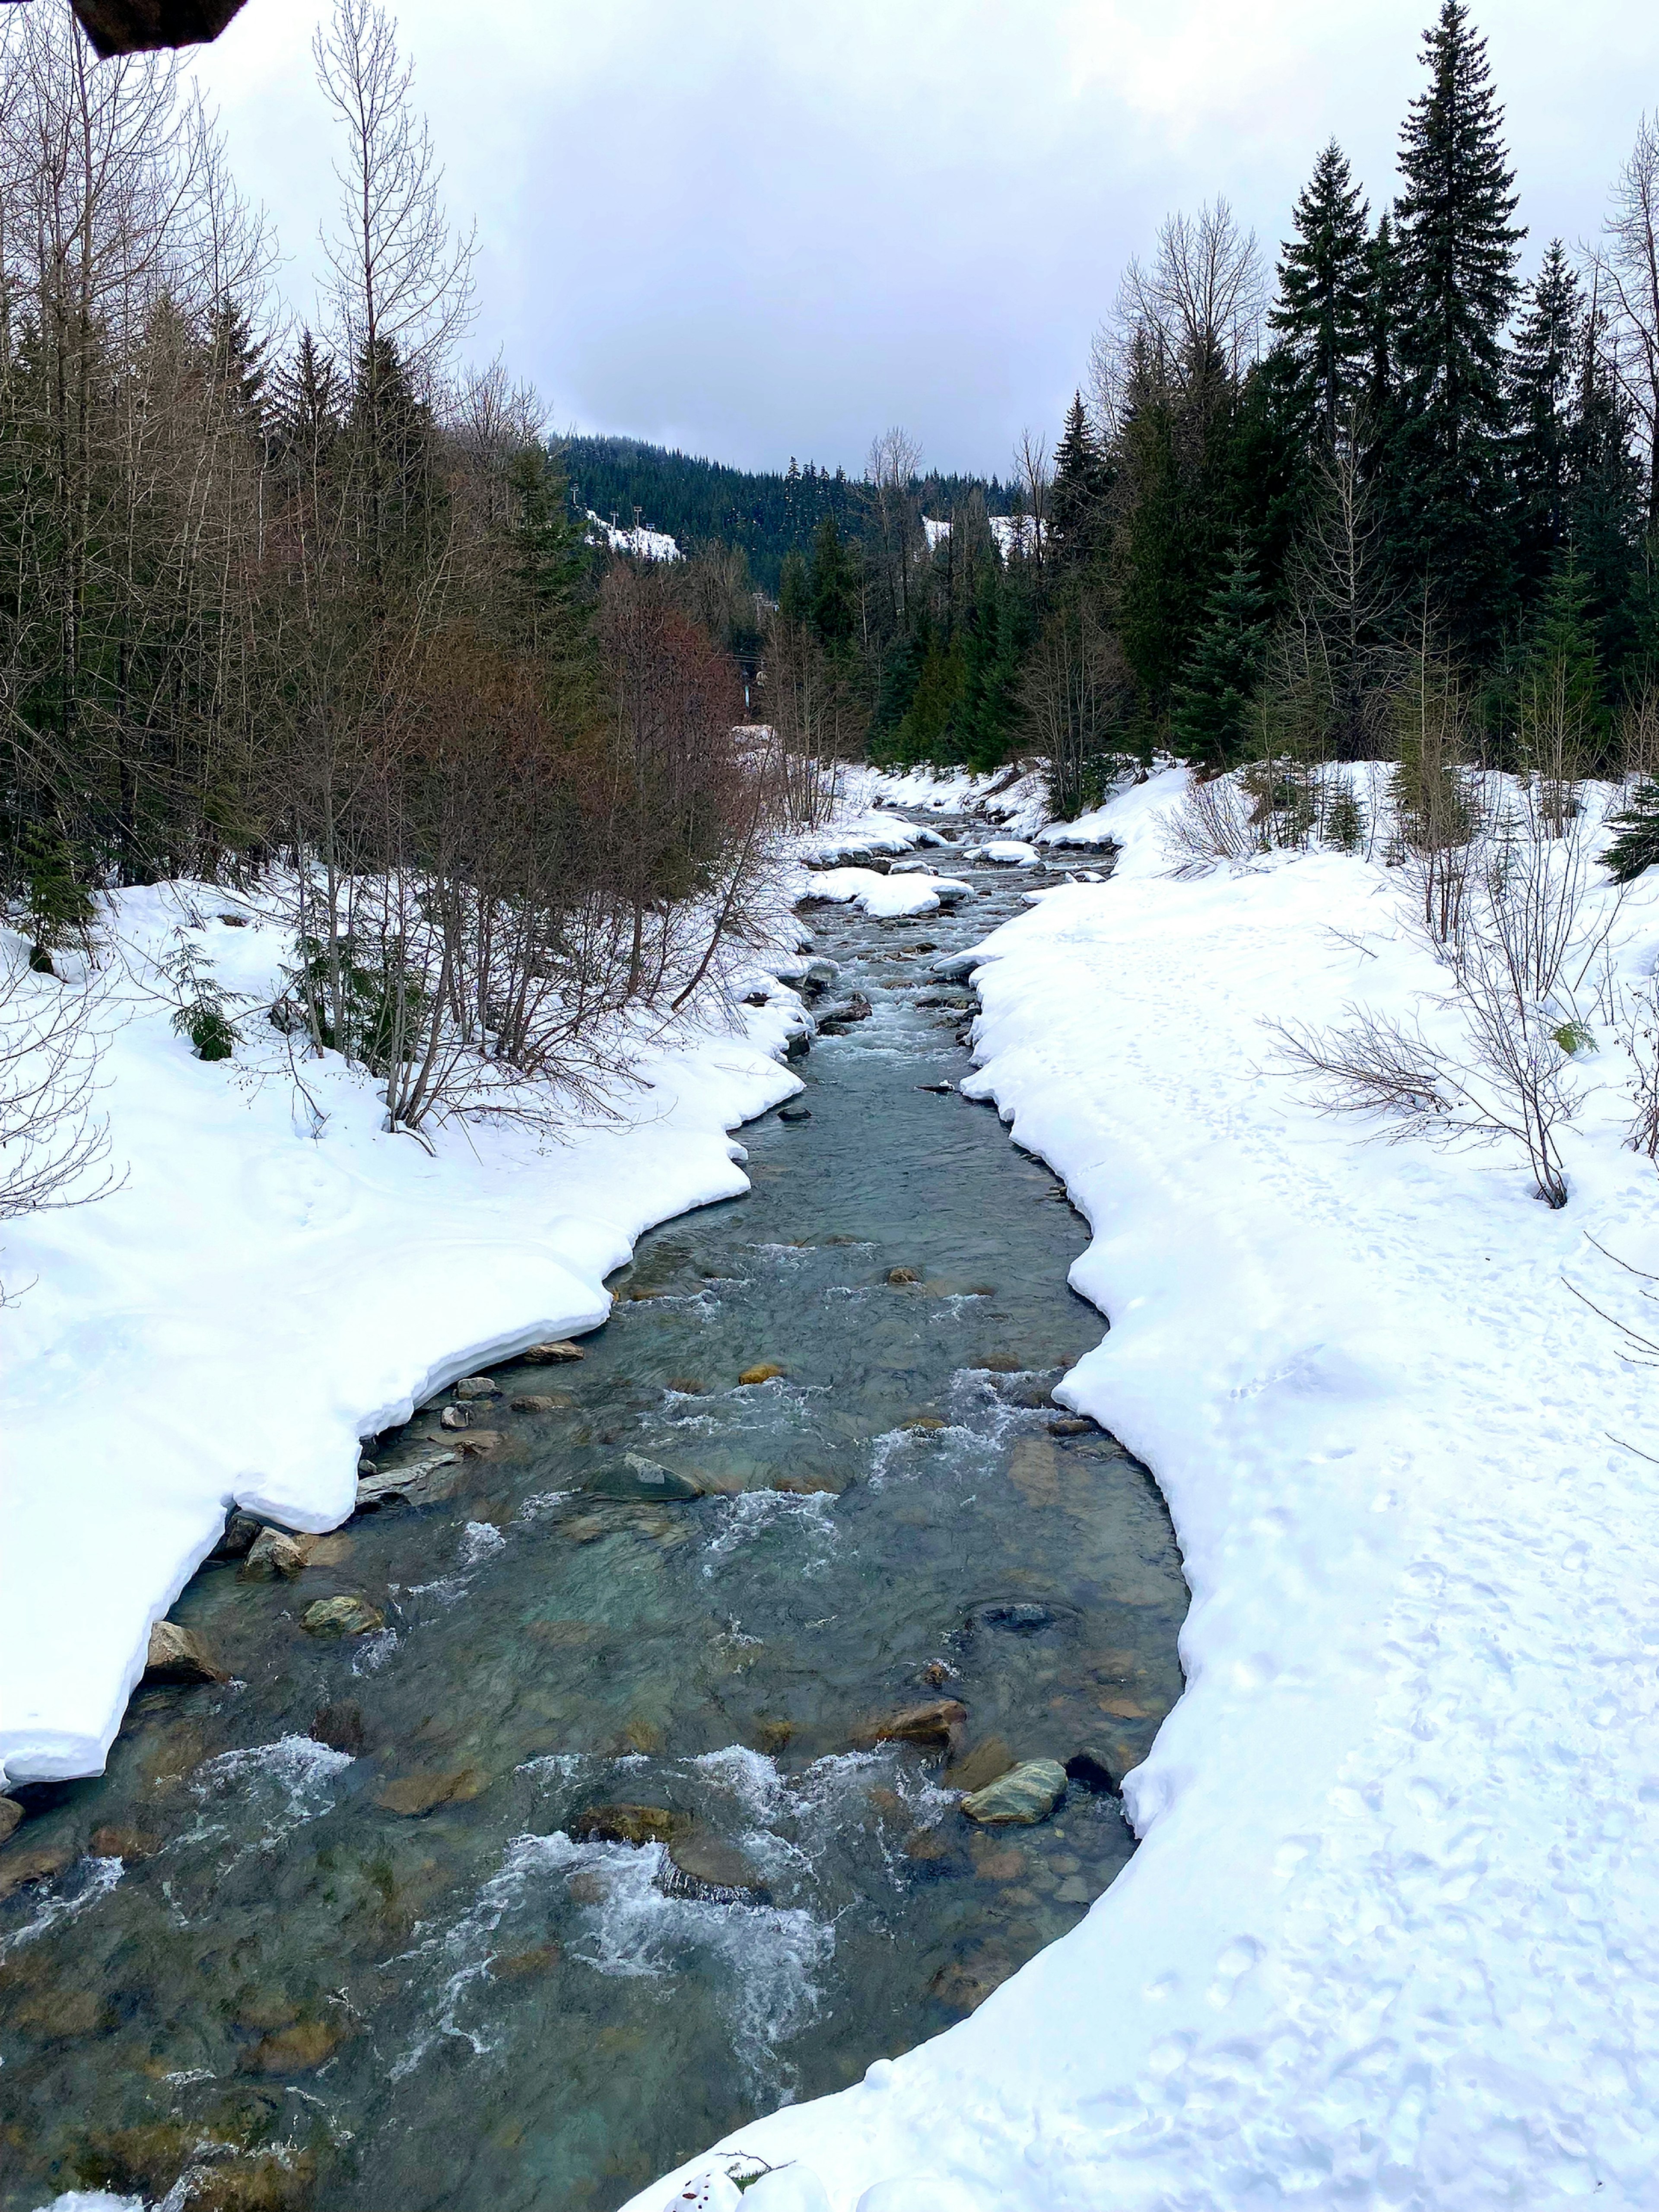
point(754, 229)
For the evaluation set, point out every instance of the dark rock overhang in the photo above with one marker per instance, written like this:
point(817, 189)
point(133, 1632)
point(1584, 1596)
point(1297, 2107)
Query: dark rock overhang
point(133, 26)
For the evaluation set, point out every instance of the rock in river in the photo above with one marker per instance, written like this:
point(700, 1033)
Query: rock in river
point(540, 1355)
point(414, 1795)
point(10, 1814)
point(940, 1723)
point(1026, 1795)
point(767, 1371)
point(794, 1114)
point(546, 1401)
point(352, 1615)
point(636, 1477)
point(418, 1481)
point(179, 1655)
point(275, 1554)
point(626, 1823)
point(477, 1386)
point(702, 1865)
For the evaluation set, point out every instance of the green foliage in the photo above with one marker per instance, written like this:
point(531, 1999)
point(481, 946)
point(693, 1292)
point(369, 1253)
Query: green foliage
point(57, 904)
point(1322, 314)
point(1212, 703)
point(1078, 522)
point(355, 1005)
point(1574, 1036)
point(1456, 247)
point(1635, 848)
point(200, 1014)
point(1344, 824)
point(832, 590)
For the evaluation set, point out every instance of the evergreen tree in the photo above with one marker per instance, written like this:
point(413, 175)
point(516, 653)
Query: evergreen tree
point(1562, 724)
point(1457, 249)
point(1605, 517)
point(1545, 379)
point(239, 364)
point(549, 555)
point(1212, 704)
point(794, 591)
point(1636, 847)
point(1077, 500)
point(1324, 291)
point(834, 588)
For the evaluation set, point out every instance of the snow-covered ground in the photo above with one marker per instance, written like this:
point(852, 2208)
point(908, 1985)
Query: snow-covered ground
point(644, 545)
point(1391, 1939)
point(887, 898)
point(1017, 797)
point(275, 1278)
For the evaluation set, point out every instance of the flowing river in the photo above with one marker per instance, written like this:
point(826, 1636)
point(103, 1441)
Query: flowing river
point(596, 1851)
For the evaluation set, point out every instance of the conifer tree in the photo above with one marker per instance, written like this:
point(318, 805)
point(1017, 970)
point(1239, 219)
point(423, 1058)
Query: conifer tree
point(1211, 702)
point(1077, 498)
point(1546, 383)
point(1324, 286)
point(794, 591)
point(1636, 847)
point(1456, 248)
point(834, 588)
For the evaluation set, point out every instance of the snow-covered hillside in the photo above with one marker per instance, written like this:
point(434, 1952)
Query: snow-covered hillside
point(644, 545)
point(1392, 1935)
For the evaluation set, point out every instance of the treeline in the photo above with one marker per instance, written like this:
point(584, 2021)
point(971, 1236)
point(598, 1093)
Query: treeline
point(1281, 504)
point(306, 609)
point(764, 515)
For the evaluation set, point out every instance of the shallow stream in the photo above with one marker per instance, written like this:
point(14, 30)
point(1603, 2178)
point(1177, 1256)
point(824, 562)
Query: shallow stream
point(423, 1968)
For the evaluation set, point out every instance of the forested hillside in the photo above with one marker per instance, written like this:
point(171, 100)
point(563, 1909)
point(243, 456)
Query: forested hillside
point(764, 514)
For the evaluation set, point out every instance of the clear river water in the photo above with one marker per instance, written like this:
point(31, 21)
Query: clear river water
point(436, 1954)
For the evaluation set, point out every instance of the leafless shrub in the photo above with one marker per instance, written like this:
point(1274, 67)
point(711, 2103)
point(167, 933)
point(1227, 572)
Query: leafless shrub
point(52, 1142)
point(1214, 822)
point(1637, 1022)
point(1370, 1065)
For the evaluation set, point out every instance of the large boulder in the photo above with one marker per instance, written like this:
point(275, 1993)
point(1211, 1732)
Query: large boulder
point(179, 1655)
point(1023, 1797)
point(275, 1555)
point(939, 1725)
point(420, 1481)
point(542, 1355)
point(702, 1865)
point(626, 1823)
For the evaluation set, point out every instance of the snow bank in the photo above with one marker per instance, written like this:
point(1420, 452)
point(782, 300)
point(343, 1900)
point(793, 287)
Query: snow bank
point(885, 898)
point(1018, 796)
point(644, 545)
point(273, 1283)
point(1392, 1935)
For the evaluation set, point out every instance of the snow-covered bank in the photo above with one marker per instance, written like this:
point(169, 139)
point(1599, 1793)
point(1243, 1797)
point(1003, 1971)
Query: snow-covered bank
point(1017, 797)
point(275, 1278)
point(1392, 1936)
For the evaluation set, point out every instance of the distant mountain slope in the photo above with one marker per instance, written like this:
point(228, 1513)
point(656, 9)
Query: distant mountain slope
point(696, 502)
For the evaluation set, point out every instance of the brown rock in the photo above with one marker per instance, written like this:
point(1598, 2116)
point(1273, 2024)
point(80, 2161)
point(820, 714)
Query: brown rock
point(767, 1371)
point(58, 2015)
point(10, 1814)
point(414, 1795)
point(927, 1847)
point(626, 1823)
point(547, 1402)
point(983, 1763)
point(925, 1427)
point(998, 1363)
point(965, 1983)
point(275, 1554)
point(341, 1728)
point(179, 1655)
point(941, 1724)
point(124, 1843)
point(565, 1635)
point(479, 1444)
point(1000, 1862)
point(20, 1869)
point(687, 1385)
point(1034, 1470)
point(540, 1355)
point(898, 1277)
point(330, 1550)
point(1072, 1424)
point(297, 2050)
point(351, 1615)
point(477, 1386)
point(519, 1965)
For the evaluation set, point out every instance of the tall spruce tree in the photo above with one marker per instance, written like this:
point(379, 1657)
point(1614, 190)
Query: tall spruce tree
point(1077, 500)
point(1212, 701)
point(1324, 291)
point(834, 588)
point(1456, 246)
point(1545, 375)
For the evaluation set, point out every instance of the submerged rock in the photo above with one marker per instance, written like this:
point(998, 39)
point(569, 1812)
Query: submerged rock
point(636, 1477)
point(352, 1615)
point(767, 1371)
point(1026, 1795)
point(11, 1813)
point(22, 1869)
point(341, 1728)
point(899, 1278)
point(965, 1983)
point(1102, 1768)
point(626, 1823)
point(179, 1655)
point(542, 1354)
point(123, 1843)
point(297, 2050)
point(794, 1114)
point(700, 1865)
point(984, 1764)
point(478, 1444)
point(414, 1795)
point(546, 1401)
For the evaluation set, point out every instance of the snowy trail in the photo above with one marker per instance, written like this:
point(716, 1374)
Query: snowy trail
point(1392, 1935)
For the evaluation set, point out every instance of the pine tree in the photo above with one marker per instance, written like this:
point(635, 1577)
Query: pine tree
point(834, 588)
point(549, 555)
point(1211, 702)
point(1457, 249)
point(1636, 847)
point(1324, 289)
point(794, 591)
point(1077, 500)
point(1546, 377)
